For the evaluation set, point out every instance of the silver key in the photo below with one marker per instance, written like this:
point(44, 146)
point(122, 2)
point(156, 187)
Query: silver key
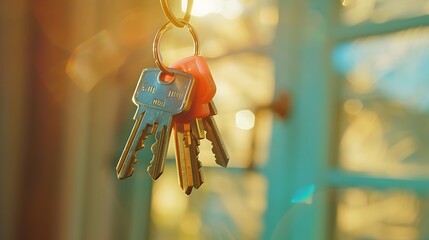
point(157, 101)
point(213, 135)
point(125, 167)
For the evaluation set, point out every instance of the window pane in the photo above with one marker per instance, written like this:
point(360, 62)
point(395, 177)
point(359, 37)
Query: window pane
point(384, 115)
point(355, 12)
point(369, 214)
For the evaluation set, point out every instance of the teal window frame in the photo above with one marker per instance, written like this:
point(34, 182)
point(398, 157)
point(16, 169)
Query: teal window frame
point(304, 147)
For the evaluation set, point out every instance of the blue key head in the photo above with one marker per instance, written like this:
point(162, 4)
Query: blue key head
point(173, 96)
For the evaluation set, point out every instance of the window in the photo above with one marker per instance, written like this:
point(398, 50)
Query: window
point(380, 173)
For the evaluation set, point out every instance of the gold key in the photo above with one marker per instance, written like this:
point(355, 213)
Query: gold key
point(188, 166)
point(197, 133)
point(213, 135)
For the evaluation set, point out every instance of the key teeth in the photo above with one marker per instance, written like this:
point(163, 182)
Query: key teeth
point(217, 157)
point(152, 162)
point(221, 163)
point(196, 141)
point(155, 171)
point(211, 135)
point(201, 174)
point(152, 174)
point(142, 141)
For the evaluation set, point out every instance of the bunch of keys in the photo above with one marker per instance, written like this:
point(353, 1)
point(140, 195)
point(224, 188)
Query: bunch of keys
point(177, 99)
point(196, 124)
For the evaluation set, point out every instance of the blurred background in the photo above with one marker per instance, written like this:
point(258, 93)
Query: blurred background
point(323, 107)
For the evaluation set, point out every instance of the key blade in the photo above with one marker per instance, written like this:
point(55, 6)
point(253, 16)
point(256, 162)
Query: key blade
point(194, 151)
point(184, 171)
point(156, 167)
point(125, 164)
point(218, 147)
point(160, 147)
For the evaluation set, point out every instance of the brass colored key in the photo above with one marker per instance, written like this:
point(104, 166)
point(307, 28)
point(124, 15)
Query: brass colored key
point(213, 135)
point(188, 166)
point(196, 134)
point(183, 161)
point(190, 127)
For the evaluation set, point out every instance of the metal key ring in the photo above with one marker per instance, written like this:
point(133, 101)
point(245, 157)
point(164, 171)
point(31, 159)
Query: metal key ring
point(157, 40)
point(176, 21)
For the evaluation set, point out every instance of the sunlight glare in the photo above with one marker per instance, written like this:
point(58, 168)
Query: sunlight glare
point(228, 8)
point(245, 119)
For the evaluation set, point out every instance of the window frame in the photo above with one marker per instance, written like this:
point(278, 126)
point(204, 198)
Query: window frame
point(316, 95)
